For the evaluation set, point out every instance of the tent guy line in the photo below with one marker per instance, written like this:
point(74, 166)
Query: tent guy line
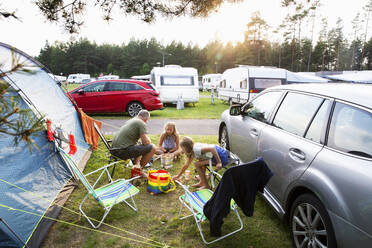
point(83, 227)
point(72, 211)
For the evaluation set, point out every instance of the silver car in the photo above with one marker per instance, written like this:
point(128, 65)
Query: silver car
point(317, 139)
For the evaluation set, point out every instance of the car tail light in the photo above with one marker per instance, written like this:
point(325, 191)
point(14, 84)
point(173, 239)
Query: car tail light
point(253, 91)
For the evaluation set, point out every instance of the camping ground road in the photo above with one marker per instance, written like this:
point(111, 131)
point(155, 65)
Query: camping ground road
point(156, 126)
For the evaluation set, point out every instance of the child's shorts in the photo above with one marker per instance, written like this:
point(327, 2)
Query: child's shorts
point(224, 156)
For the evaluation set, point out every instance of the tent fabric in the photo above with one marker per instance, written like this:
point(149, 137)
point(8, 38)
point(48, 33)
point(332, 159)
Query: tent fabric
point(43, 174)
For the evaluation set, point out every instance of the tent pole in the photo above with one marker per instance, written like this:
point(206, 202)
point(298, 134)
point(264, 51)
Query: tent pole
point(13, 232)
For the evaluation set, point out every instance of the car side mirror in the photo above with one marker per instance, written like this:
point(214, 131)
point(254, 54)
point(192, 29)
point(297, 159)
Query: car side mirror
point(81, 92)
point(235, 110)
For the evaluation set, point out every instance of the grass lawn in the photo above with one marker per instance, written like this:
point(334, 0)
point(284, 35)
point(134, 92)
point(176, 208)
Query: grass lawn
point(157, 218)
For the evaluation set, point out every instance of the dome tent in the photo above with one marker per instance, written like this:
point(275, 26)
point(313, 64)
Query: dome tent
point(31, 182)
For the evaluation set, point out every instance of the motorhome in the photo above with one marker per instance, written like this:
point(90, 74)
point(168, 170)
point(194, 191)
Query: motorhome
point(174, 82)
point(242, 83)
point(77, 78)
point(211, 81)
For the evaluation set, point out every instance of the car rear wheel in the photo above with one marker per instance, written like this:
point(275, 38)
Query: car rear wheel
point(224, 141)
point(133, 108)
point(310, 223)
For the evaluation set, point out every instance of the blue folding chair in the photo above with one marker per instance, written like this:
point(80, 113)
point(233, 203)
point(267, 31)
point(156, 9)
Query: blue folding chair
point(195, 201)
point(107, 195)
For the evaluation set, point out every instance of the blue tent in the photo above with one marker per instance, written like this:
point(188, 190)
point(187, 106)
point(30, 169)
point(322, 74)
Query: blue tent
point(31, 182)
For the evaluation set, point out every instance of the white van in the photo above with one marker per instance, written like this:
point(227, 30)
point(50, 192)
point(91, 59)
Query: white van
point(77, 78)
point(240, 84)
point(211, 81)
point(173, 81)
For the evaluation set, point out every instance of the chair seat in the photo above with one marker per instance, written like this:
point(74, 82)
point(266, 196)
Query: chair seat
point(108, 193)
point(198, 200)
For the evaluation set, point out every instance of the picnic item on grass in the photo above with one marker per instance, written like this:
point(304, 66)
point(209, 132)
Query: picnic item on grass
point(159, 181)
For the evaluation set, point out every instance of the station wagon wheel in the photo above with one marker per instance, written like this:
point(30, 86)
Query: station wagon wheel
point(133, 108)
point(224, 141)
point(310, 223)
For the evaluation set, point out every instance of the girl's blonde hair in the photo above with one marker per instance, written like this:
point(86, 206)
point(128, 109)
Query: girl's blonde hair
point(187, 144)
point(173, 125)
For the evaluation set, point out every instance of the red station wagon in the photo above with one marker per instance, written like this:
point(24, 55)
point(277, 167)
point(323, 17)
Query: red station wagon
point(120, 95)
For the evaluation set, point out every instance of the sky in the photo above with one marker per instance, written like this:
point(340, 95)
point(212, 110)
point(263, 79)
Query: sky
point(228, 24)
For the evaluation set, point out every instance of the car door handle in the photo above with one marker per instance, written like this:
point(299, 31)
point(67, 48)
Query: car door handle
point(254, 132)
point(297, 154)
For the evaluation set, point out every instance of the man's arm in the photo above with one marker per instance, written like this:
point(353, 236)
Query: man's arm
point(145, 140)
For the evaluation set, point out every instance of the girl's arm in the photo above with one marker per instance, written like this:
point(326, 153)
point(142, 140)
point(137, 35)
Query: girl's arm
point(177, 144)
point(184, 167)
point(162, 136)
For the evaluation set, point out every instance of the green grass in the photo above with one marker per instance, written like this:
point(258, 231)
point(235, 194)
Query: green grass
point(157, 218)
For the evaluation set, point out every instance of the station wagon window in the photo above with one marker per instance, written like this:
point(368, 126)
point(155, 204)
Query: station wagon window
point(243, 84)
point(96, 87)
point(296, 112)
point(131, 86)
point(116, 86)
point(351, 130)
point(319, 123)
point(177, 80)
point(261, 107)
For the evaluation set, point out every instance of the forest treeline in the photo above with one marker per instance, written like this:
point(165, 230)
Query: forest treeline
point(284, 47)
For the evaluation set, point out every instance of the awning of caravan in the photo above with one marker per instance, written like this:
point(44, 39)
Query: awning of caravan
point(353, 77)
point(303, 77)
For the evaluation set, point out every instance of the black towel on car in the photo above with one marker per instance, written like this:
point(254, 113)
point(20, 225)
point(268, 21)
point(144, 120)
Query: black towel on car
point(240, 183)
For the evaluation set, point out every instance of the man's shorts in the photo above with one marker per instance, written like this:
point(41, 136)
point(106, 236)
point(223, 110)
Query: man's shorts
point(132, 151)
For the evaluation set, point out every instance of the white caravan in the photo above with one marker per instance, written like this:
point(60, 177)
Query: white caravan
point(240, 84)
point(211, 81)
point(77, 78)
point(174, 81)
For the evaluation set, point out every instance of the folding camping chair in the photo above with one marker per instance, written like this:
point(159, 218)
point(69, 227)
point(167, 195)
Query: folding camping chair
point(110, 157)
point(107, 195)
point(214, 176)
point(195, 201)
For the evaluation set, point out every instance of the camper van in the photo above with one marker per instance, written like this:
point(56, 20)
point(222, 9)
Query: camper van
point(211, 81)
point(77, 78)
point(242, 83)
point(174, 81)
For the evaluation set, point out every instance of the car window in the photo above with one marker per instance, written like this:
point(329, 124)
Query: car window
point(132, 86)
point(116, 86)
point(296, 112)
point(261, 107)
point(96, 87)
point(351, 130)
point(319, 123)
